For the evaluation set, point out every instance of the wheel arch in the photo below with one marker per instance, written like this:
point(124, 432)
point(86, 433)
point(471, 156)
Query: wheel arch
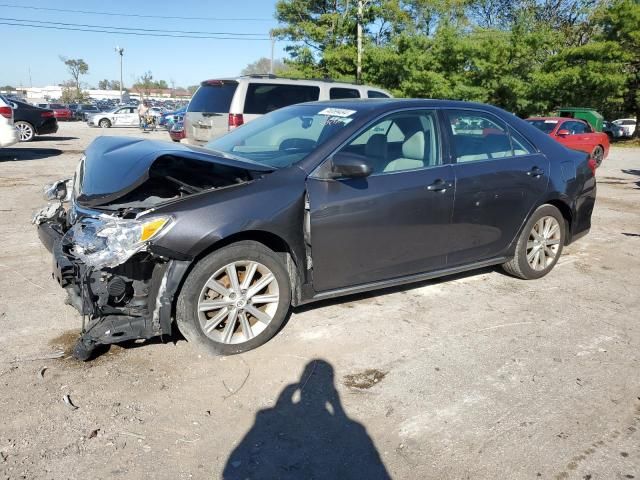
point(269, 240)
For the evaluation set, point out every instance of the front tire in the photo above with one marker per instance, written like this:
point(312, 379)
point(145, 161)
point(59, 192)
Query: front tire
point(539, 245)
point(235, 299)
point(104, 123)
point(26, 132)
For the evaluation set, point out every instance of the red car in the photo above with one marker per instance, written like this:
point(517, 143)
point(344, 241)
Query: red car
point(177, 132)
point(59, 111)
point(575, 134)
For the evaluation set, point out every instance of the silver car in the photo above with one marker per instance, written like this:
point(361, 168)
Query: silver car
point(219, 106)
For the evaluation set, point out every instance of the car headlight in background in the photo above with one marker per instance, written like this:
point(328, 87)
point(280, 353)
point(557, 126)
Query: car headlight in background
point(107, 242)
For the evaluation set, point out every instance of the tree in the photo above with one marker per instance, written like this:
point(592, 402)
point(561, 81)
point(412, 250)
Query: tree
point(104, 84)
point(7, 88)
point(620, 23)
point(192, 89)
point(70, 93)
point(144, 84)
point(76, 67)
point(263, 66)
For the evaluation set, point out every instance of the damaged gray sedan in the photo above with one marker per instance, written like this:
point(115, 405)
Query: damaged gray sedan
point(309, 202)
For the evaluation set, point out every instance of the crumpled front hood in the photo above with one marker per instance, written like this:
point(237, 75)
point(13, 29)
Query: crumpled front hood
point(115, 166)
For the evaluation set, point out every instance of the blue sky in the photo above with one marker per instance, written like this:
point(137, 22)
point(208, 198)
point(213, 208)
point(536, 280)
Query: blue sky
point(185, 60)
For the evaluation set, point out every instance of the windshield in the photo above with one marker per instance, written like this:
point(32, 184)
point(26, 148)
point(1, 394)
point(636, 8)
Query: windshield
point(546, 126)
point(286, 136)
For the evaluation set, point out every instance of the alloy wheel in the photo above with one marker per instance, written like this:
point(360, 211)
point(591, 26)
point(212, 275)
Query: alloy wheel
point(238, 302)
point(543, 243)
point(25, 131)
point(598, 155)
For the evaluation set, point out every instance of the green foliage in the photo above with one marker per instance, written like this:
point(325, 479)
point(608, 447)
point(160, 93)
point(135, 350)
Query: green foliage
point(527, 56)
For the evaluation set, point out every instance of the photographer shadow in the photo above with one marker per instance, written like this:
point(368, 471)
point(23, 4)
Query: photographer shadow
point(306, 434)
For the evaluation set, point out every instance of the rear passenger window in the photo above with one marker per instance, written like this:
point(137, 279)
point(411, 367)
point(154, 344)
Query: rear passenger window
point(337, 93)
point(266, 97)
point(376, 94)
point(478, 136)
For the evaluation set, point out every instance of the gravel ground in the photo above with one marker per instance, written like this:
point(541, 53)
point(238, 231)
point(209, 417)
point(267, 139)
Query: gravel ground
point(477, 376)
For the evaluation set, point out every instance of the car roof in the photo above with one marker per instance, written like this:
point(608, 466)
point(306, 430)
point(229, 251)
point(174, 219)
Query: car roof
point(559, 119)
point(386, 104)
point(292, 81)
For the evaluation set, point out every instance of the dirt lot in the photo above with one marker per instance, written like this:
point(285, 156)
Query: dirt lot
point(476, 376)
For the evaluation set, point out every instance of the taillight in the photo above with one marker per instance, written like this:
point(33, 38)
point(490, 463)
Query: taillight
point(235, 120)
point(6, 112)
point(592, 165)
point(46, 114)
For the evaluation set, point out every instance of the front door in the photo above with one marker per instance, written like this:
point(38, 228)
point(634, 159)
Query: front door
point(393, 223)
point(499, 178)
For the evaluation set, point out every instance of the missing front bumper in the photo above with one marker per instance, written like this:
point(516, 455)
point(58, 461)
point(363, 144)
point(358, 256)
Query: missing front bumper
point(131, 301)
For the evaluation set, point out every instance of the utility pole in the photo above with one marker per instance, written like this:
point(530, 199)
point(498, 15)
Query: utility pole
point(273, 44)
point(359, 60)
point(120, 51)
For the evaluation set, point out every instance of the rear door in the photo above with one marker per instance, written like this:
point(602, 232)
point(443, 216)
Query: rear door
point(207, 115)
point(262, 97)
point(499, 179)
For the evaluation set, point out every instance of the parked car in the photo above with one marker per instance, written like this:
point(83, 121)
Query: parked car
point(219, 106)
point(306, 203)
point(628, 124)
point(60, 111)
point(82, 111)
point(30, 120)
point(575, 134)
point(176, 132)
point(613, 131)
point(169, 118)
point(8, 132)
point(117, 117)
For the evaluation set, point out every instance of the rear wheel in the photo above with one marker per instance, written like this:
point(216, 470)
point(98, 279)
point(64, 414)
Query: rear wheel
point(539, 245)
point(598, 154)
point(26, 131)
point(104, 123)
point(234, 299)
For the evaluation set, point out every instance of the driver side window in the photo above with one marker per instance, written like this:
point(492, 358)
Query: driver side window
point(399, 142)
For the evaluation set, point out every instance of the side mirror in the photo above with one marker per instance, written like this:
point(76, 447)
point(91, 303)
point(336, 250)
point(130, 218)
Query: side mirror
point(563, 133)
point(350, 165)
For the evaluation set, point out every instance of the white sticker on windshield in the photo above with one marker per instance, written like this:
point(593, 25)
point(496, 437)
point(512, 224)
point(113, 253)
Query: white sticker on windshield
point(337, 112)
point(550, 121)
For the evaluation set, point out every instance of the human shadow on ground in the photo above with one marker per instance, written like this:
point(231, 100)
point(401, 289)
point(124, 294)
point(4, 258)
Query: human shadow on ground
point(307, 434)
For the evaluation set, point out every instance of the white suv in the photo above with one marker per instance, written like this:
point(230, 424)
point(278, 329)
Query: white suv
point(628, 125)
point(8, 133)
point(221, 105)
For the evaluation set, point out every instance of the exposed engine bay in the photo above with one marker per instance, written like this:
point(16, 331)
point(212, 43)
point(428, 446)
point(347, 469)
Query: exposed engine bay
point(102, 243)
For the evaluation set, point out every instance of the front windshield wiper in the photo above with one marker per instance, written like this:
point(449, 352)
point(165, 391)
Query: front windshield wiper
point(237, 157)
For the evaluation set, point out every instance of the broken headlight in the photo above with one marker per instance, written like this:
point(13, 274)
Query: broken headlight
point(107, 242)
point(60, 190)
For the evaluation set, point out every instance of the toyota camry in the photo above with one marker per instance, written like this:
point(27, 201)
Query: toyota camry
point(309, 202)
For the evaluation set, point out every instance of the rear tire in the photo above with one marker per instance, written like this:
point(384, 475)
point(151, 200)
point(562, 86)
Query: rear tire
point(26, 132)
point(226, 317)
point(598, 155)
point(539, 245)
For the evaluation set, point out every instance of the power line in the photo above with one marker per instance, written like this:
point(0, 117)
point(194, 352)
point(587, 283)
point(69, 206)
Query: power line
point(262, 35)
point(173, 17)
point(131, 33)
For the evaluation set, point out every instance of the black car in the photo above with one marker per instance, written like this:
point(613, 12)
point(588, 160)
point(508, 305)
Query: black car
point(82, 111)
point(30, 120)
point(309, 202)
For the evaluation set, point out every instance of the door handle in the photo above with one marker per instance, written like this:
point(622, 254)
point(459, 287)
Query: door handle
point(535, 172)
point(439, 186)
